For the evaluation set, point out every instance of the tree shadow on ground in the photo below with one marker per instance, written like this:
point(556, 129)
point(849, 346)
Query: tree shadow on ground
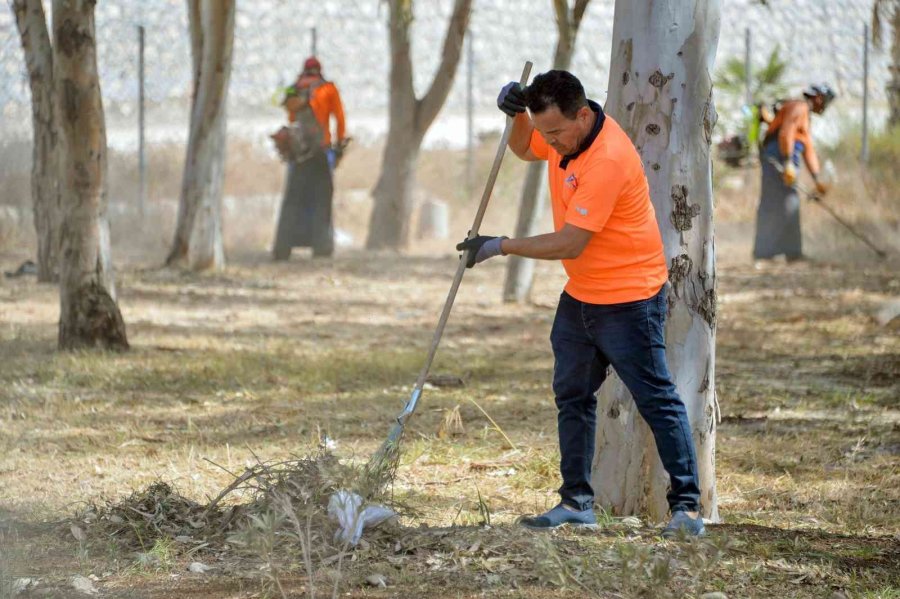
point(845, 552)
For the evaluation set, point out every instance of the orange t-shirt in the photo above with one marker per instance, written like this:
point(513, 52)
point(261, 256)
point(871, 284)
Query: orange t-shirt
point(326, 101)
point(604, 190)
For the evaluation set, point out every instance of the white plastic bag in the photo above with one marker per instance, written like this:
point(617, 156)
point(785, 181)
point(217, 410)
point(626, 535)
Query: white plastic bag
point(346, 508)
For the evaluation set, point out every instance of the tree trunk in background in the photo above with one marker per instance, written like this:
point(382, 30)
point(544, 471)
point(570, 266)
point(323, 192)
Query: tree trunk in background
point(889, 11)
point(32, 24)
point(520, 271)
point(660, 91)
point(198, 233)
point(89, 316)
point(410, 118)
point(394, 190)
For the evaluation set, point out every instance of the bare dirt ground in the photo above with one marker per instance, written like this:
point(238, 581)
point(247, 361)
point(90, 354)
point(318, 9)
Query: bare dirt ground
point(268, 361)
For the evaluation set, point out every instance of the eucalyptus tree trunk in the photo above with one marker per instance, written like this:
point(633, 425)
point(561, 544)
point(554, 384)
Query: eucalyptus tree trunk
point(660, 91)
point(520, 271)
point(198, 232)
point(410, 118)
point(89, 315)
point(32, 24)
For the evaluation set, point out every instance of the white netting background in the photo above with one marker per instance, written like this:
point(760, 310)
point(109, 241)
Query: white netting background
point(821, 39)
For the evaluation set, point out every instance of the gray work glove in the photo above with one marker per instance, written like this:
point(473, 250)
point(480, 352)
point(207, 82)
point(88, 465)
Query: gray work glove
point(481, 248)
point(511, 99)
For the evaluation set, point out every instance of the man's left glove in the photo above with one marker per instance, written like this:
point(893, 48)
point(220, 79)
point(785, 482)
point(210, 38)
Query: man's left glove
point(480, 248)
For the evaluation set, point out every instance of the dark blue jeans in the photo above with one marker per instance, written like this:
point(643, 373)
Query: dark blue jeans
point(587, 339)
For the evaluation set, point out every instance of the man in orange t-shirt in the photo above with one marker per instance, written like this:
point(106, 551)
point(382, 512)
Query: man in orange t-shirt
point(325, 102)
point(612, 311)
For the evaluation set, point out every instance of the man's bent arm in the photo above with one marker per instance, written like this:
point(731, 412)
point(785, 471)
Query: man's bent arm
point(565, 244)
point(520, 137)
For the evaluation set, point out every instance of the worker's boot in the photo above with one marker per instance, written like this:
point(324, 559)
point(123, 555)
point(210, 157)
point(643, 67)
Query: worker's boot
point(682, 524)
point(559, 516)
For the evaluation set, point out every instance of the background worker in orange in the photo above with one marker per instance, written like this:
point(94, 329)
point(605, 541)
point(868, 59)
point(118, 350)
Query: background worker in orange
point(788, 136)
point(613, 309)
point(325, 101)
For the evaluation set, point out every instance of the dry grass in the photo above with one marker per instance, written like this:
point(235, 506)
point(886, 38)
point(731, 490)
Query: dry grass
point(270, 361)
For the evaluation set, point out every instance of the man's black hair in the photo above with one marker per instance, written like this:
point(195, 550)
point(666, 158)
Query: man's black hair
point(559, 88)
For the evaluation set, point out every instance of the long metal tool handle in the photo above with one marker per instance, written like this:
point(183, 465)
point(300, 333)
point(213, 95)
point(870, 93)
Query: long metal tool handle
point(461, 269)
point(818, 201)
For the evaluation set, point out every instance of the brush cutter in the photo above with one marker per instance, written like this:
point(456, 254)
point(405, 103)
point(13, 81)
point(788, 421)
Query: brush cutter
point(381, 466)
point(817, 199)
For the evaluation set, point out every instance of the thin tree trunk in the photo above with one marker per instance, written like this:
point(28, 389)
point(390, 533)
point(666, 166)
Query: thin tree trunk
point(393, 191)
point(32, 25)
point(89, 316)
point(660, 91)
point(410, 118)
point(520, 271)
point(882, 11)
point(198, 233)
point(389, 222)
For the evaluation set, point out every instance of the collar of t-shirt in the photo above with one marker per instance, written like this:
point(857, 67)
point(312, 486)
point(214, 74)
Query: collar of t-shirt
point(586, 143)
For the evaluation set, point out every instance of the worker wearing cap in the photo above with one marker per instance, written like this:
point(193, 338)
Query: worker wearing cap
point(787, 138)
point(613, 309)
point(325, 101)
point(305, 217)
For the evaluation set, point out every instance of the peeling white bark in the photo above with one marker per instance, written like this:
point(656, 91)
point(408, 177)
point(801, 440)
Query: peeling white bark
point(198, 235)
point(660, 91)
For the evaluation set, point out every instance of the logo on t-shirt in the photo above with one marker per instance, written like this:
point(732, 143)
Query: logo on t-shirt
point(571, 182)
point(581, 211)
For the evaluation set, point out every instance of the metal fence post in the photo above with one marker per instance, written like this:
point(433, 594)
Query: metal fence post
point(748, 69)
point(470, 115)
point(864, 150)
point(142, 158)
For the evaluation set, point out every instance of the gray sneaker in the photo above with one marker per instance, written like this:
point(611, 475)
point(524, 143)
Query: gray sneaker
point(559, 516)
point(683, 525)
